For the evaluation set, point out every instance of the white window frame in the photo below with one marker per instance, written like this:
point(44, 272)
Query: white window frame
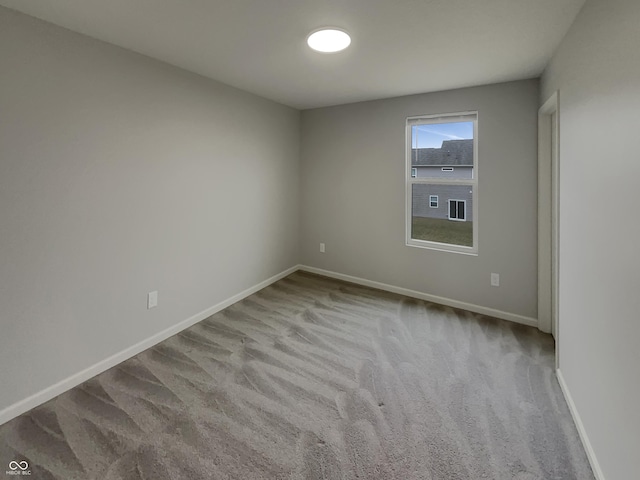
point(470, 116)
point(457, 219)
point(414, 172)
point(437, 201)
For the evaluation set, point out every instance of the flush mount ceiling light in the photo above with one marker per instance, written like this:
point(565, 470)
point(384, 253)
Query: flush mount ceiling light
point(328, 40)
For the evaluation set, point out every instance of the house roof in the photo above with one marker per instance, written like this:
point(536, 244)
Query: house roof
point(451, 153)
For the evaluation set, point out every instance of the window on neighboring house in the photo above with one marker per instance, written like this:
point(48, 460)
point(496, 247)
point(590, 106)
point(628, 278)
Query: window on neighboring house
point(458, 210)
point(444, 147)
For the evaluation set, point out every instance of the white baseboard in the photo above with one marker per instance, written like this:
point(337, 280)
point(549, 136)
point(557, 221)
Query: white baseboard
point(68, 383)
point(595, 466)
point(512, 317)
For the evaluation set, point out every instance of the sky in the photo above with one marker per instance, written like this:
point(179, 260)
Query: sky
point(431, 136)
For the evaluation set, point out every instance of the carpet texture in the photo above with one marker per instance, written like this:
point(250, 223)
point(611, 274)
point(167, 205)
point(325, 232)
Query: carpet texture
point(313, 378)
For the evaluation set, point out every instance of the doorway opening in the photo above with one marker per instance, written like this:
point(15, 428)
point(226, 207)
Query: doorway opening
point(548, 219)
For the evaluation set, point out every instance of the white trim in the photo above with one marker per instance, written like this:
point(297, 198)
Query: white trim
point(441, 181)
point(591, 455)
point(437, 201)
point(442, 118)
point(68, 383)
point(550, 106)
point(442, 247)
point(414, 172)
point(76, 379)
point(472, 117)
point(446, 169)
point(548, 219)
point(512, 317)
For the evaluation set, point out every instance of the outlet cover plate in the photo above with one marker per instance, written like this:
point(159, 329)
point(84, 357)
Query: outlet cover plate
point(152, 299)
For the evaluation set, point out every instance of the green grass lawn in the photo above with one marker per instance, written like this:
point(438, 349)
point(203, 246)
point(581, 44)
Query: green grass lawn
point(443, 231)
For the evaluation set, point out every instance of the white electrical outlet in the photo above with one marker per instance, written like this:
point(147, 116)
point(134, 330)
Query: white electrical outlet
point(322, 248)
point(152, 299)
point(495, 279)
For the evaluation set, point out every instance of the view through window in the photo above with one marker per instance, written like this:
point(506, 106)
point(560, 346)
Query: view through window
point(442, 182)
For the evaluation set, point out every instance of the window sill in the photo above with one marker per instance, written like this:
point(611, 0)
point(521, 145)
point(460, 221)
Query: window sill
point(443, 247)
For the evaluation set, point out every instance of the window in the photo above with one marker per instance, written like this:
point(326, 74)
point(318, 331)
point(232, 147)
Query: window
point(458, 210)
point(444, 149)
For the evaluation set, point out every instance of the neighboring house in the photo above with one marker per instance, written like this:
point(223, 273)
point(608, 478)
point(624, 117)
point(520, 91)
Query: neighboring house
point(454, 159)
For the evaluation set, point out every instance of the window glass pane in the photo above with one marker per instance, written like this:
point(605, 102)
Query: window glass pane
point(461, 211)
point(451, 222)
point(442, 150)
point(453, 209)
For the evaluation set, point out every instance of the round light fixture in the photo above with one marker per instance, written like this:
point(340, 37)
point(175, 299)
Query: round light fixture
point(328, 40)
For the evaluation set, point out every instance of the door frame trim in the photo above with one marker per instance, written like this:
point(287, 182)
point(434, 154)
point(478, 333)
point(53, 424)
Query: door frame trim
point(549, 218)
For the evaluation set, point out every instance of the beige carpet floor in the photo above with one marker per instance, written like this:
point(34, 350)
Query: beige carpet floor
point(313, 378)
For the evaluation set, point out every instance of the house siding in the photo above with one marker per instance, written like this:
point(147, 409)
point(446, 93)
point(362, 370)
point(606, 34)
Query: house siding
point(421, 193)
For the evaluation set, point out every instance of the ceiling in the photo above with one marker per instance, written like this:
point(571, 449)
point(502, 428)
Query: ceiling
point(399, 47)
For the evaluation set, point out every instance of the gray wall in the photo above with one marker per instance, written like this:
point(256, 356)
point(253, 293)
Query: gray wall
point(597, 72)
point(353, 196)
point(120, 175)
